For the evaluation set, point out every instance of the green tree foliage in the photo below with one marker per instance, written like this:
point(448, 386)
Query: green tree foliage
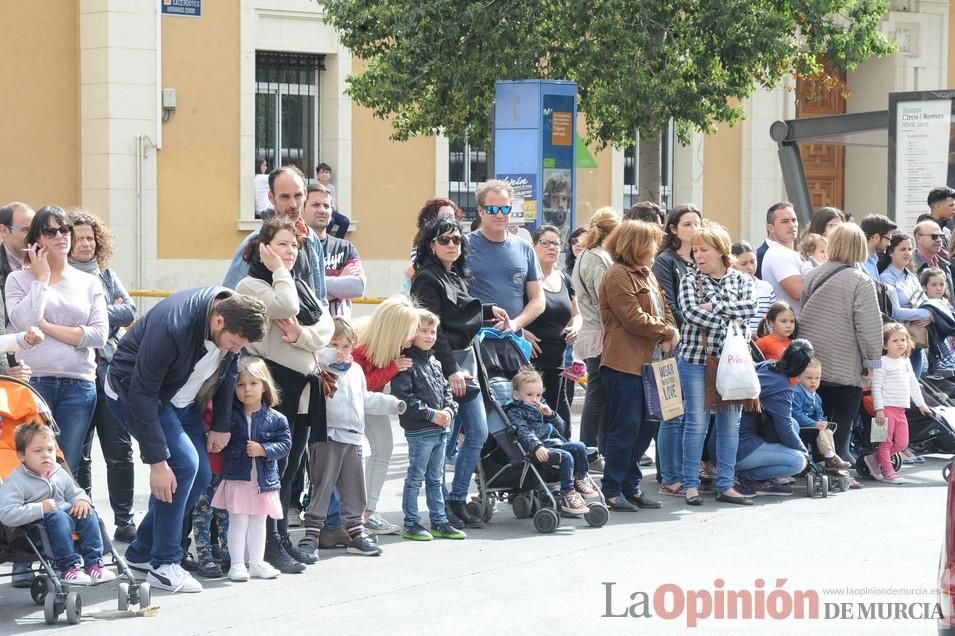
point(431, 64)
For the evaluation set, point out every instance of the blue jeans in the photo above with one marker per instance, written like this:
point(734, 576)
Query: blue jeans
point(770, 461)
point(696, 420)
point(628, 436)
point(72, 403)
point(159, 538)
point(670, 447)
point(572, 457)
point(59, 529)
point(425, 464)
point(473, 419)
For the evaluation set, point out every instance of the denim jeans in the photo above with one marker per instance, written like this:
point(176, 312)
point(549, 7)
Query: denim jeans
point(473, 420)
point(572, 458)
point(670, 449)
point(770, 461)
point(59, 529)
point(696, 420)
point(159, 538)
point(593, 418)
point(71, 402)
point(425, 464)
point(628, 435)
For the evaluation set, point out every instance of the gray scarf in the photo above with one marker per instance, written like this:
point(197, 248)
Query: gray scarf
point(90, 267)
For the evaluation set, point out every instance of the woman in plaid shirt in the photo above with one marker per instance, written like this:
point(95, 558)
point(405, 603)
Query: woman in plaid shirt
point(710, 298)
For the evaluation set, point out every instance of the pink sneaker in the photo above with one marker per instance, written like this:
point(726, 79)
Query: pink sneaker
point(75, 576)
point(576, 372)
point(872, 462)
point(99, 574)
point(892, 478)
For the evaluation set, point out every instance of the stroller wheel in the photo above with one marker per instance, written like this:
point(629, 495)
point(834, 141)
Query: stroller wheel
point(122, 596)
point(522, 506)
point(546, 521)
point(824, 482)
point(897, 462)
point(485, 512)
point(74, 608)
point(145, 595)
point(50, 610)
point(597, 516)
point(39, 588)
point(810, 485)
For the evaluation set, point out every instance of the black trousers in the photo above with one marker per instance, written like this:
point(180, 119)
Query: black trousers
point(593, 418)
point(117, 449)
point(841, 405)
point(555, 393)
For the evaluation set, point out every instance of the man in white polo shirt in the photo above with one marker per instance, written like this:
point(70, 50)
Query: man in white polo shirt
point(781, 265)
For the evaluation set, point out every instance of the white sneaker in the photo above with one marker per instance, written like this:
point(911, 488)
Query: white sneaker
point(139, 570)
point(171, 576)
point(894, 479)
point(238, 573)
point(99, 574)
point(262, 570)
point(873, 464)
point(377, 525)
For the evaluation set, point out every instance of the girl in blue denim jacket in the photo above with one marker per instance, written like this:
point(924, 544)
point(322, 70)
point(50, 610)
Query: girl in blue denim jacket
point(250, 483)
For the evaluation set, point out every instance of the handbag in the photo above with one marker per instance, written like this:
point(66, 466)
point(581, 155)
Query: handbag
point(466, 360)
point(919, 335)
point(736, 377)
point(662, 391)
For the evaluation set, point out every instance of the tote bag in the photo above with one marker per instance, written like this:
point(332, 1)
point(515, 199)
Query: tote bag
point(662, 391)
point(736, 377)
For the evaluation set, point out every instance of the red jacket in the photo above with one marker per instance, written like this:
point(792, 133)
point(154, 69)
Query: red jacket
point(375, 377)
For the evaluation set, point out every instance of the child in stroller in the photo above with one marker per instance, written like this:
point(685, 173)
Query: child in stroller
point(537, 427)
point(39, 489)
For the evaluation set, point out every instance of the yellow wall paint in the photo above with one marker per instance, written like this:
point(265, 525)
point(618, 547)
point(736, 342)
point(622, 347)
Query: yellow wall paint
point(722, 153)
point(390, 183)
point(593, 184)
point(951, 43)
point(198, 167)
point(40, 126)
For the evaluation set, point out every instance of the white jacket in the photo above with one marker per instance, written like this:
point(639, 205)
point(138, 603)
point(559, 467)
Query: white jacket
point(895, 384)
point(345, 411)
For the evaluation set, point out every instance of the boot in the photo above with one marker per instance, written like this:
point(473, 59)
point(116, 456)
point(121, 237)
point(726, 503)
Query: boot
point(460, 510)
point(277, 557)
point(453, 519)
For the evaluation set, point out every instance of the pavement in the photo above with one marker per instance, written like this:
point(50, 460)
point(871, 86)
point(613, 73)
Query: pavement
point(716, 569)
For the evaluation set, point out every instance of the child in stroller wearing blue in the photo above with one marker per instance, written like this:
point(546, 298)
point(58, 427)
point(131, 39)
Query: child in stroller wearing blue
point(537, 427)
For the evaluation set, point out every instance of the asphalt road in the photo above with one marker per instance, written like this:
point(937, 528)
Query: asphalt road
point(659, 572)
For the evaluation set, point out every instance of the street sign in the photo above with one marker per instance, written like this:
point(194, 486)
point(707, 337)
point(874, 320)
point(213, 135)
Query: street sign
point(182, 8)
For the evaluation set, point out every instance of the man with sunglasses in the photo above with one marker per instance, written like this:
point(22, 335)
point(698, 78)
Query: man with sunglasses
point(504, 268)
point(928, 251)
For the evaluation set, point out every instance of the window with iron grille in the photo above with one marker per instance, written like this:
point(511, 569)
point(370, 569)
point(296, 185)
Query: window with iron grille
point(467, 168)
point(631, 170)
point(286, 109)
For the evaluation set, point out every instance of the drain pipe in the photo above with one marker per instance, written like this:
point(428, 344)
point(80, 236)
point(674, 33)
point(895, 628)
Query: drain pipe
point(143, 144)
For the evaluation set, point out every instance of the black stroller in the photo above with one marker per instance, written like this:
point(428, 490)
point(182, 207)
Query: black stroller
point(506, 471)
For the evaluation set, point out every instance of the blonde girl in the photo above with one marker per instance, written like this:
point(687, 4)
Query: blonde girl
point(380, 341)
point(251, 482)
point(812, 250)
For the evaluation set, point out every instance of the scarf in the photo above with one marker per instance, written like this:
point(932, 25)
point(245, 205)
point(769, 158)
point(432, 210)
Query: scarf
point(90, 266)
point(309, 307)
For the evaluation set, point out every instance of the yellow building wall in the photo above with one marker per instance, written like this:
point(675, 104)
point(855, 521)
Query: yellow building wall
point(593, 184)
point(390, 183)
point(198, 167)
point(40, 122)
point(722, 174)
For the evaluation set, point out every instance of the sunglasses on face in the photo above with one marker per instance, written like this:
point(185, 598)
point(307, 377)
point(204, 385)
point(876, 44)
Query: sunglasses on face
point(549, 243)
point(934, 237)
point(51, 232)
point(497, 209)
point(447, 240)
point(574, 241)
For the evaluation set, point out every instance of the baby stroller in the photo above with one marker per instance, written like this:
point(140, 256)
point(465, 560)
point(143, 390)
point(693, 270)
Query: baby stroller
point(820, 481)
point(506, 471)
point(20, 403)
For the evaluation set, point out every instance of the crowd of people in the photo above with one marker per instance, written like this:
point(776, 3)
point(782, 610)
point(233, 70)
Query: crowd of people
point(251, 402)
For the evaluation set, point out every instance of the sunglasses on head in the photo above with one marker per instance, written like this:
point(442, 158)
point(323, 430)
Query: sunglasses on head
point(447, 240)
point(51, 232)
point(497, 209)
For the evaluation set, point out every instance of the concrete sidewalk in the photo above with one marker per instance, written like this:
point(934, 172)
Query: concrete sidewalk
point(507, 577)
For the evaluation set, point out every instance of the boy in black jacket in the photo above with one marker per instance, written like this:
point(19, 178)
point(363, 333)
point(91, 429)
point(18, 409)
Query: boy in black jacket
point(537, 429)
point(430, 411)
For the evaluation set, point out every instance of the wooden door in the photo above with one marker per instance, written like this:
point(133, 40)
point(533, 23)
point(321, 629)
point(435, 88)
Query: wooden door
point(824, 164)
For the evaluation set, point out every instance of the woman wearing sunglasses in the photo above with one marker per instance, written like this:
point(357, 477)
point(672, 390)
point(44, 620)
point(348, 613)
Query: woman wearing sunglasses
point(440, 284)
point(69, 307)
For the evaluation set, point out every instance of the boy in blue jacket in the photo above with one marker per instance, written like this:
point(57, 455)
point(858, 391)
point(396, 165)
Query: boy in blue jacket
point(807, 410)
point(537, 428)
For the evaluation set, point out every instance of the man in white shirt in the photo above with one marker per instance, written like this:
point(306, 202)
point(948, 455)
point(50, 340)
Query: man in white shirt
point(781, 265)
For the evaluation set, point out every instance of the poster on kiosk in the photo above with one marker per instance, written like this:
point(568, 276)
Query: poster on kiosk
point(534, 150)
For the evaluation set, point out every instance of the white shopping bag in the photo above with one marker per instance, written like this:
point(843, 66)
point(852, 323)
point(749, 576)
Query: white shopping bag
point(736, 377)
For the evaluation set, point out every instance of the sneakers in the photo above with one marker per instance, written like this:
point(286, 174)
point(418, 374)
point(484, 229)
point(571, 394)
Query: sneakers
point(584, 489)
point(332, 538)
point(447, 531)
point(576, 372)
point(99, 574)
point(453, 519)
point(773, 489)
point(171, 577)
point(597, 466)
point(262, 570)
point(573, 503)
point(309, 545)
point(417, 532)
point(836, 463)
point(125, 533)
point(75, 576)
point(294, 517)
point(460, 510)
point(238, 573)
point(376, 524)
point(139, 569)
point(893, 478)
point(210, 569)
point(364, 546)
point(646, 460)
point(278, 558)
point(872, 462)
point(297, 554)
